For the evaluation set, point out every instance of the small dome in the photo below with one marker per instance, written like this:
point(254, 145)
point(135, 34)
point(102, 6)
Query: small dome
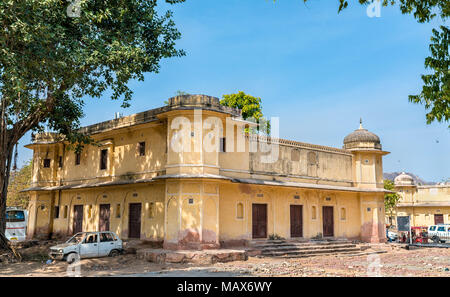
point(362, 138)
point(404, 180)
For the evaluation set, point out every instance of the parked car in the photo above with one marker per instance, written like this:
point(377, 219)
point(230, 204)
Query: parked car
point(392, 235)
point(88, 245)
point(439, 233)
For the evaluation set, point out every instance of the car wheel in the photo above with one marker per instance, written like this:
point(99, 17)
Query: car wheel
point(114, 253)
point(72, 257)
point(435, 239)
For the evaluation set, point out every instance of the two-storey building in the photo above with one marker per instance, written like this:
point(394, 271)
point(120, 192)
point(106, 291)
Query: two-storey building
point(189, 175)
point(425, 204)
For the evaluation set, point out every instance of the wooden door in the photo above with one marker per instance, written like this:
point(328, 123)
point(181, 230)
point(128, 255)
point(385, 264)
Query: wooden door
point(328, 221)
point(438, 219)
point(77, 219)
point(259, 220)
point(296, 221)
point(105, 212)
point(134, 220)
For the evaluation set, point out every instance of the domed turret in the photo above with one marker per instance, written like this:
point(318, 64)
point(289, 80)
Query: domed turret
point(362, 139)
point(404, 180)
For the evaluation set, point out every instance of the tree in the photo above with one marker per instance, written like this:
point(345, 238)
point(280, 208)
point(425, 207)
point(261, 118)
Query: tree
point(250, 106)
point(55, 53)
point(435, 95)
point(390, 199)
point(19, 181)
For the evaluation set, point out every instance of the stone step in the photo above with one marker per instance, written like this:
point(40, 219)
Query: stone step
point(337, 254)
point(311, 251)
point(312, 247)
point(298, 244)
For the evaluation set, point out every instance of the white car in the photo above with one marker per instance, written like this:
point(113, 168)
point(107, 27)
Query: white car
point(88, 245)
point(439, 233)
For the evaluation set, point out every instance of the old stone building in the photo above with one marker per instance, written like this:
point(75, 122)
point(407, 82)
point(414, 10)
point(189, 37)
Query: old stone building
point(153, 176)
point(426, 205)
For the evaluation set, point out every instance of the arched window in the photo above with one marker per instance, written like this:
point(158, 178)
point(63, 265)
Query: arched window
point(313, 213)
point(343, 214)
point(240, 210)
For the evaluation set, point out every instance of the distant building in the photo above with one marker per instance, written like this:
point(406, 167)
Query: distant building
point(144, 179)
point(427, 205)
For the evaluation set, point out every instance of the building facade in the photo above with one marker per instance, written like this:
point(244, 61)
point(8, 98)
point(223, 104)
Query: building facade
point(426, 205)
point(189, 175)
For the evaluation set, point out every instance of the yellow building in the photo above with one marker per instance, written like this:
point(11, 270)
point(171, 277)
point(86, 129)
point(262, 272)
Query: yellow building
point(188, 176)
point(426, 205)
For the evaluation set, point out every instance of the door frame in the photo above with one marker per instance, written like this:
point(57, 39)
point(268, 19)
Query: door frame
point(267, 220)
point(75, 218)
point(140, 218)
point(290, 220)
point(439, 215)
point(333, 221)
point(100, 216)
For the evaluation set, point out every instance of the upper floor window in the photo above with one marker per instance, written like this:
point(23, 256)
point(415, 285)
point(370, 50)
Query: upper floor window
point(46, 163)
point(141, 148)
point(60, 162)
point(77, 158)
point(103, 159)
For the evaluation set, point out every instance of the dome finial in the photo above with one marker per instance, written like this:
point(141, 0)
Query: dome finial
point(360, 123)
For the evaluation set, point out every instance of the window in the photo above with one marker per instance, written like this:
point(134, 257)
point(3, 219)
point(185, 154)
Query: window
point(103, 159)
point(46, 163)
point(240, 210)
point(105, 237)
point(441, 229)
point(343, 214)
point(141, 148)
point(15, 216)
point(57, 212)
point(77, 158)
point(313, 213)
point(65, 211)
point(222, 147)
point(118, 211)
point(91, 238)
point(60, 162)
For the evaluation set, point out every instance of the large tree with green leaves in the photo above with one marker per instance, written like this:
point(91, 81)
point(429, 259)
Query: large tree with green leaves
point(435, 94)
point(56, 53)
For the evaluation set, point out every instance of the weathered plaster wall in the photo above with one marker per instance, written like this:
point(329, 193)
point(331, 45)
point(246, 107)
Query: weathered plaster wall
point(278, 202)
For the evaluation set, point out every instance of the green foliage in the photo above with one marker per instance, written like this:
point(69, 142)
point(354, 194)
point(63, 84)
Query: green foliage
point(19, 181)
point(275, 237)
point(436, 89)
point(250, 106)
point(435, 93)
point(49, 61)
point(390, 199)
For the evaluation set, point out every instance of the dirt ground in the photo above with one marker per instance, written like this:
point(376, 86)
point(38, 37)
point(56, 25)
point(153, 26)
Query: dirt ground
point(395, 262)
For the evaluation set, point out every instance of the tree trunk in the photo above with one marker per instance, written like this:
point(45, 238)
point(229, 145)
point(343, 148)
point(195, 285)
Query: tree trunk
point(5, 167)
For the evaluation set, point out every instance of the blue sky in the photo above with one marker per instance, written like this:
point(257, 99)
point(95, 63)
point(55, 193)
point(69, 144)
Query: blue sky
point(318, 71)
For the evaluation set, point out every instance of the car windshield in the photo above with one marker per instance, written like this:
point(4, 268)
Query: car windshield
point(15, 216)
point(77, 238)
point(432, 228)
